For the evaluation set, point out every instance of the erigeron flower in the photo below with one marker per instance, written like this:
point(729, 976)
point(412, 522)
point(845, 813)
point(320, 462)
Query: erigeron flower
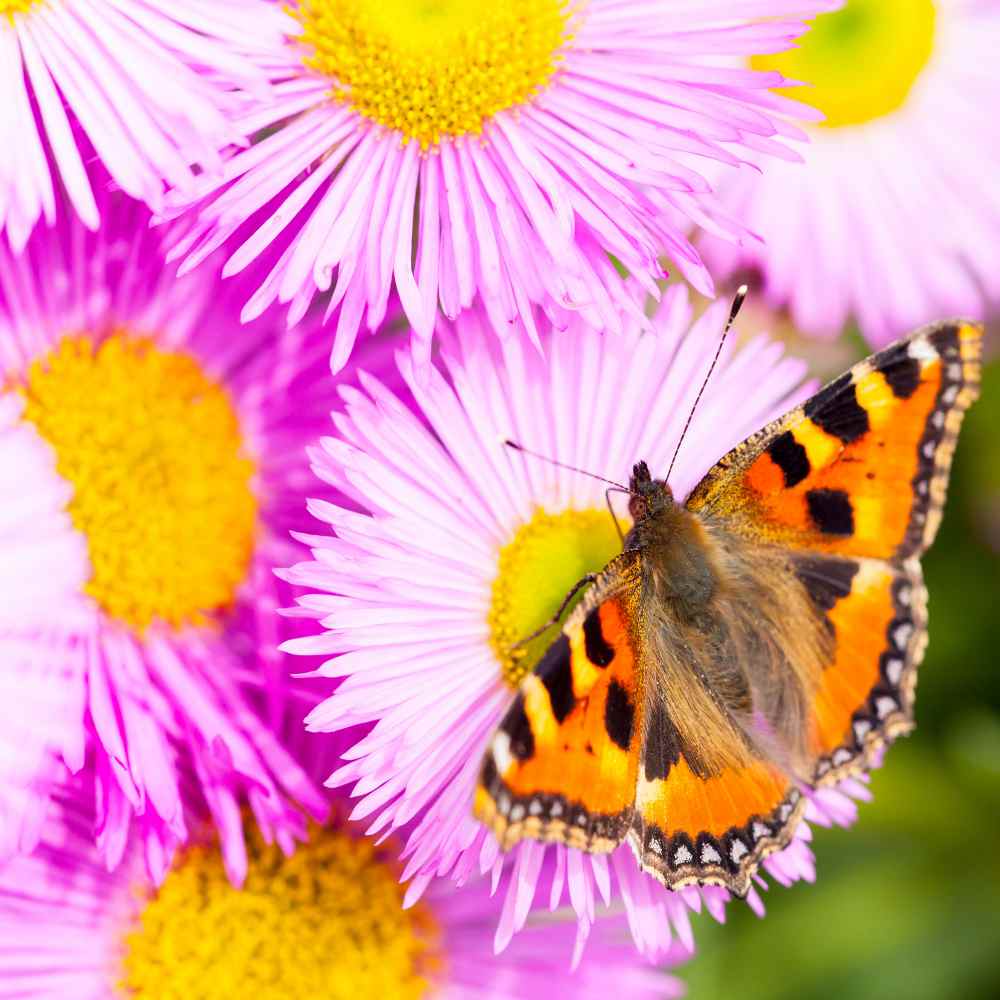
point(462, 152)
point(147, 88)
point(326, 920)
point(151, 466)
point(893, 219)
point(450, 548)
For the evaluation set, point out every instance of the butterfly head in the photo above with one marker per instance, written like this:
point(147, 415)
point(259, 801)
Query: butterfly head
point(649, 496)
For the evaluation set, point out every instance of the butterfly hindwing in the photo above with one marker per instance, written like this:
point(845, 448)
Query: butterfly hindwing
point(862, 467)
point(562, 764)
point(877, 616)
point(710, 825)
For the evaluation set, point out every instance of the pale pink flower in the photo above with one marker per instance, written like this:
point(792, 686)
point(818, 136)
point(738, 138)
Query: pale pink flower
point(327, 917)
point(151, 466)
point(436, 156)
point(894, 218)
point(146, 87)
point(404, 585)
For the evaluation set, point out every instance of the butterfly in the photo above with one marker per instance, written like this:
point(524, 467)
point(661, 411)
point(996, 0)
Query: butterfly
point(755, 642)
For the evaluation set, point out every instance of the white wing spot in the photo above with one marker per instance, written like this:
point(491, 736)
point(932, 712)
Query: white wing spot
point(709, 855)
point(501, 752)
point(922, 350)
point(738, 850)
point(901, 634)
point(894, 670)
point(862, 727)
point(682, 855)
point(842, 756)
point(885, 706)
point(535, 807)
point(760, 831)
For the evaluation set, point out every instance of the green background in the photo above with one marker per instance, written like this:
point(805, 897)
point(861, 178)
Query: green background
point(906, 902)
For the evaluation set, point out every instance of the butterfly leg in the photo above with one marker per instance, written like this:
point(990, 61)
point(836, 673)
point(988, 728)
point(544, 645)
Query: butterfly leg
point(554, 620)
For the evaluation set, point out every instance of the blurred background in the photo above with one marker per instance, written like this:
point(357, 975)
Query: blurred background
point(907, 901)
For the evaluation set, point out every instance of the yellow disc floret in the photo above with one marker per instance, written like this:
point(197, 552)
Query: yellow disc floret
point(861, 61)
point(537, 569)
point(434, 68)
point(161, 482)
point(12, 7)
point(326, 923)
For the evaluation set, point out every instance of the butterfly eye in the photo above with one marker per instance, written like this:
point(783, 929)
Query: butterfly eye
point(637, 508)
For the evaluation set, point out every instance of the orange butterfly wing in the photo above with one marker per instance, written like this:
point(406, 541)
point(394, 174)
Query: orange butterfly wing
point(848, 490)
point(860, 469)
point(853, 483)
point(562, 764)
point(707, 824)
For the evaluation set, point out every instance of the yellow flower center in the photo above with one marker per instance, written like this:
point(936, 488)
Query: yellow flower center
point(862, 59)
point(161, 484)
point(434, 68)
point(12, 7)
point(327, 923)
point(536, 571)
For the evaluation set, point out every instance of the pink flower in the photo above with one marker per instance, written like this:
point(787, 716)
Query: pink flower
point(325, 920)
point(893, 220)
point(143, 86)
point(151, 464)
point(496, 152)
point(450, 547)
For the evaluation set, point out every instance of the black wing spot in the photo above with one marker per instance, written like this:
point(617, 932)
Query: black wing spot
point(517, 726)
point(831, 511)
point(597, 648)
point(619, 715)
point(488, 776)
point(790, 457)
point(945, 341)
point(901, 372)
point(837, 411)
point(556, 673)
point(663, 744)
point(826, 580)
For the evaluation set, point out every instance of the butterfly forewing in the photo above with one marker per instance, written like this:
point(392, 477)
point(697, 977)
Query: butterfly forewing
point(562, 764)
point(860, 469)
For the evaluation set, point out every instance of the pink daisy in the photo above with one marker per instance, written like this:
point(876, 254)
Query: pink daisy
point(325, 920)
point(151, 465)
point(144, 86)
point(499, 152)
point(895, 218)
point(451, 548)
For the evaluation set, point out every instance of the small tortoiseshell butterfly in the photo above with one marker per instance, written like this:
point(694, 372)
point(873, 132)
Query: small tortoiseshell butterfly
point(759, 639)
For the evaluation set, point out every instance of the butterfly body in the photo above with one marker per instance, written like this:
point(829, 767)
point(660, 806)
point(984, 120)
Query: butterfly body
point(749, 645)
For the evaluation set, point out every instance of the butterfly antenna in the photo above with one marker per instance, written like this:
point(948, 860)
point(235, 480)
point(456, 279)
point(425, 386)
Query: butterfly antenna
point(741, 294)
point(561, 465)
